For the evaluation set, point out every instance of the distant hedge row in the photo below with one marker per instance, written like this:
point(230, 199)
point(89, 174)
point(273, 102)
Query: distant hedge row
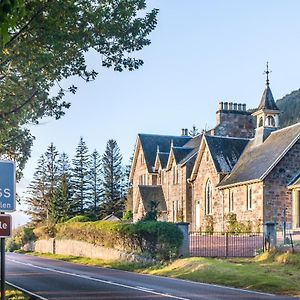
point(160, 240)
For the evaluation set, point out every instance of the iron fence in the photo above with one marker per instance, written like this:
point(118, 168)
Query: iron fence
point(220, 244)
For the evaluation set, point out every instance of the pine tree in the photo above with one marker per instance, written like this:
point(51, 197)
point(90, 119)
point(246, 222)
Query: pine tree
point(112, 180)
point(95, 182)
point(194, 131)
point(37, 200)
point(63, 200)
point(80, 178)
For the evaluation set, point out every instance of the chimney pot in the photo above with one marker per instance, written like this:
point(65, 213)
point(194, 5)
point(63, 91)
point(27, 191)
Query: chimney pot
point(235, 106)
point(220, 105)
point(225, 105)
point(182, 131)
point(244, 107)
point(230, 105)
point(239, 106)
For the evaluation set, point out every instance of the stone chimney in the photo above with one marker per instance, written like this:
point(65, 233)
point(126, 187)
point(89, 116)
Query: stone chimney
point(184, 132)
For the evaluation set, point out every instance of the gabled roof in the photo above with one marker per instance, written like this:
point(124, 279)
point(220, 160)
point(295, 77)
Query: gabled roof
point(180, 153)
point(154, 193)
point(267, 101)
point(225, 151)
point(162, 158)
point(149, 143)
point(195, 144)
point(257, 161)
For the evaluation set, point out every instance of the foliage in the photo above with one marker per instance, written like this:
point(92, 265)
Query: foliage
point(209, 224)
point(127, 215)
point(113, 177)
point(20, 237)
point(194, 131)
point(289, 107)
point(160, 240)
point(48, 44)
point(151, 214)
point(80, 219)
point(95, 181)
point(235, 226)
point(80, 177)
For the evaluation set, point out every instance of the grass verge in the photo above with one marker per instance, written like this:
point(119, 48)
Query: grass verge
point(12, 294)
point(271, 272)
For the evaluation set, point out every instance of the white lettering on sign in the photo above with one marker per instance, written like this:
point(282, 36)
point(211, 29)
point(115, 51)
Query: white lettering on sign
point(5, 205)
point(5, 193)
point(3, 225)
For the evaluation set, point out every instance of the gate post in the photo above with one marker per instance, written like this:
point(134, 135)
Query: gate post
point(184, 250)
point(226, 244)
point(270, 235)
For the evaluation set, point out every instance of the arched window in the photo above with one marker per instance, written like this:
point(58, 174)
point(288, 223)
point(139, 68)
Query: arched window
point(208, 198)
point(270, 121)
point(261, 122)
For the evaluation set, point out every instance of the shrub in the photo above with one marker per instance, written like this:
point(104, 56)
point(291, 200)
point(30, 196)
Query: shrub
point(20, 237)
point(45, 232)
point(128, 215)
point(81, 218)
point(209, 224)
point(160, 240)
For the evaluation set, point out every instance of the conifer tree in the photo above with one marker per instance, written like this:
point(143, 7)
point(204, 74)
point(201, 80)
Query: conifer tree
point(95, 182)
point(37, 199)
point(113, 177)
point(80, 178)
point(194, 131)
point(63, 200)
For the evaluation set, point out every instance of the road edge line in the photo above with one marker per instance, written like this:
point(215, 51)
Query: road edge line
point(26, 291)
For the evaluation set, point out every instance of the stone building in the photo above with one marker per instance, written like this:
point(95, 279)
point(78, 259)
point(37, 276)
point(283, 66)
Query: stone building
point(245, 166)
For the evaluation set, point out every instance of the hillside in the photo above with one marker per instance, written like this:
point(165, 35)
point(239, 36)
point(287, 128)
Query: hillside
point(289, 106)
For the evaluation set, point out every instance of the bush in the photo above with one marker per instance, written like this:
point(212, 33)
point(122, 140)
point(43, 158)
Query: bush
point(20, 237)
point(45, 232)
point(160, 240)
point(128, 215)
point(82, 218)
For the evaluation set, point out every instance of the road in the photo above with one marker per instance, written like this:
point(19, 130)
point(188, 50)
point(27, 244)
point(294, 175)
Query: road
point(52, 279)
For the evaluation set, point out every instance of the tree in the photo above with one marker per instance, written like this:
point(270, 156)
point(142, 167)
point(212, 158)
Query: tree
point(63, 199)
point(37, 199)
point(80, 177)
point(113, 177)
point(49, 44)
point(95, 181)
point(194, 131)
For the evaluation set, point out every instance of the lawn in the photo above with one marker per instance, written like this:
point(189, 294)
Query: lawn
point(272, 272)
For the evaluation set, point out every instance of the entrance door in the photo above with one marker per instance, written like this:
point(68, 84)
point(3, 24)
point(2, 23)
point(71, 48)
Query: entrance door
point(197, 215)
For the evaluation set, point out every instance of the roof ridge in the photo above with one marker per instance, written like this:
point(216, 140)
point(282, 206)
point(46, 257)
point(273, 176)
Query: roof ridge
point(285, 128)
point(228, 137)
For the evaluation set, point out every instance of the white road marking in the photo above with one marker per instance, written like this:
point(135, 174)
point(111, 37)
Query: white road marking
point(26, 291)
point(99, 280)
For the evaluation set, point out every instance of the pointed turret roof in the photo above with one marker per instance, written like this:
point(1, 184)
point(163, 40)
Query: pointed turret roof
point(267, 100)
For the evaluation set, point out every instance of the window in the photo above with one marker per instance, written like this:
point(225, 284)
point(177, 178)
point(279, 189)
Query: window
point(231, 201)
point(175, 175)
point(249, 198)
point(270, 121)
point(208, 198)
point(142, 159)
point(174, 211)
point(142, 179)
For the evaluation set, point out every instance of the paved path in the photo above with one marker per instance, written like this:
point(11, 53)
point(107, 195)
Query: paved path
point(52, 279)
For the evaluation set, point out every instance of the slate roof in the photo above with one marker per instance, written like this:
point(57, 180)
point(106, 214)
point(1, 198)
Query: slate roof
point(225, 151)
point(150, 142)
point(257, 161)
point(267, 100)
point(152, 193)
point(163, 157)
point(295, 180)
point(195, 144)
point(180, 153)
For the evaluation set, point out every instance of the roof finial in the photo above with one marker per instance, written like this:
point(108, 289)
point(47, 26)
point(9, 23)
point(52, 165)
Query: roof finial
point(267, 72)
point(172, 143)
point(157, 150)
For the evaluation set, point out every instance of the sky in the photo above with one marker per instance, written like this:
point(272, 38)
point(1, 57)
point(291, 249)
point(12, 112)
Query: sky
point(201, 52)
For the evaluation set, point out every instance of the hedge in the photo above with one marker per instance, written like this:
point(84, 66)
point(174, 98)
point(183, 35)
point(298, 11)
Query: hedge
point(159, 240)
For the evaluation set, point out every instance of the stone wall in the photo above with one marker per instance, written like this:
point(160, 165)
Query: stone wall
point(82, 249)
point(276, 194)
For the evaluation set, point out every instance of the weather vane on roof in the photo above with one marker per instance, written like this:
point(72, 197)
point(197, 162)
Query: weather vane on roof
point(267, 72)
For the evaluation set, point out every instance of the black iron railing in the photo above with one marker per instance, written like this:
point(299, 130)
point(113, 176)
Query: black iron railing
point(228, 244)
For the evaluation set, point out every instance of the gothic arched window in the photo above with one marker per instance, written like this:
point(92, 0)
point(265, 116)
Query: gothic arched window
point(208, 198)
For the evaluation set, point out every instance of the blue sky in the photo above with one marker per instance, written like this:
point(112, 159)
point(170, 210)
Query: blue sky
point(201, 52)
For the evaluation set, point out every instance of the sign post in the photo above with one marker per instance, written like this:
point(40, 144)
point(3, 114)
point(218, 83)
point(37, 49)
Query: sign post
point(7, 204)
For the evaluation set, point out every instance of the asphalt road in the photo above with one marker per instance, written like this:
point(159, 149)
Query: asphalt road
point(52, 279)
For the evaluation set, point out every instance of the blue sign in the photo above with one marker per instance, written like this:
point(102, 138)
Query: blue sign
point(7, 186)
